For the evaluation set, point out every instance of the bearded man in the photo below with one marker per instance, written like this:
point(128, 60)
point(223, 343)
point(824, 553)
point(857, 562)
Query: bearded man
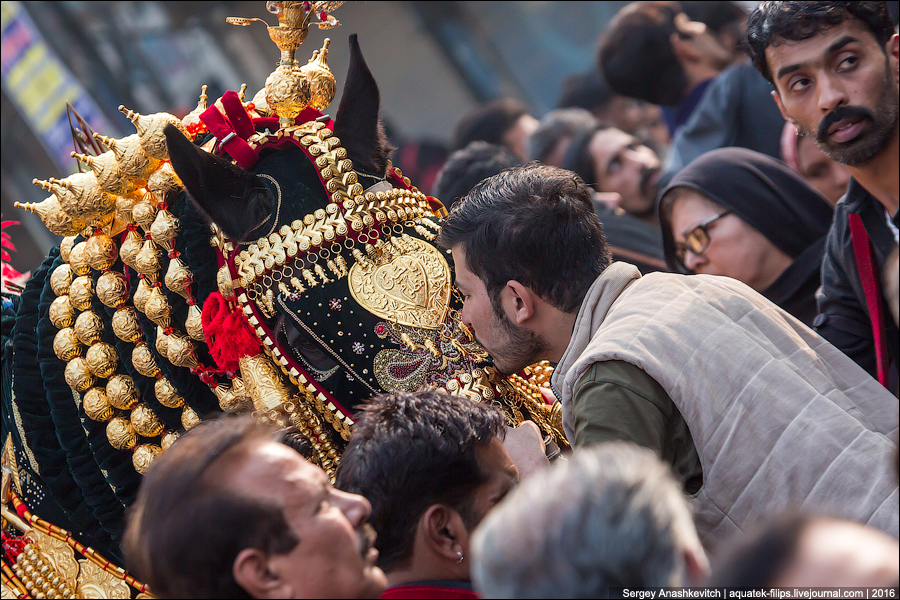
point(834, 66)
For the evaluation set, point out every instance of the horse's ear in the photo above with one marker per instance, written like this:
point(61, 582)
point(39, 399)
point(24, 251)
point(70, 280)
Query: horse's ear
point(235, 200)
point(356, 123)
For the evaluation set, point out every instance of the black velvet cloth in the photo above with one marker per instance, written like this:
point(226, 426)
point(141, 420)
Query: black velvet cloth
point(774, 200)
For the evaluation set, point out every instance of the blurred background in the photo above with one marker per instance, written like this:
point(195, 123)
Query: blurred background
point(434, 61)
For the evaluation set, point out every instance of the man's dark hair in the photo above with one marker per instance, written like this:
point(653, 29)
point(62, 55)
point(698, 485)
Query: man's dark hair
point(409, 451)
point(586, 90)
point(488, 123)
point(773, 23)
point(534, 224)
point(636, 54)
point(758, 560)
point(186, 527)
point(578, 159)
point(556, 126)
point(466, 168)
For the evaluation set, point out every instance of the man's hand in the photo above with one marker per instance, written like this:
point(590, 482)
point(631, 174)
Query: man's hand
point(526, 448)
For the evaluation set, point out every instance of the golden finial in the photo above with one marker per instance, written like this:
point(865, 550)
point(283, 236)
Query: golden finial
point(150, 131)
point(193, 117)
point(243, 91)
point(321, 81)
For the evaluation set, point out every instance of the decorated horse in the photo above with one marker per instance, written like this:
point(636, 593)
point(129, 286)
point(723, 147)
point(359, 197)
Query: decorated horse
point(254, 256)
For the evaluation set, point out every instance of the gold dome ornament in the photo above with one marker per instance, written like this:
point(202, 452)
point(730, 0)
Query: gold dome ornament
point(144, 212)
point(53, 216)
point(78, 375)
point(81, 291)
point(158, 308)
point(287, 93)
point(66, 344)
point(224, 283)
point(162, 342)
point(193, 325)
point(78, 259)
point(189, 418)
point(61, 279)
point(126, 326)
point(122, 392)
point(143, 361)
point(165, 229)
point(121, 434)
point(150, 131)
point(147, 260)
point(142, 294)
point(321, 80)
point(101, 251)
point(228, 400)
point(125, 204)
point(112, 289)
point(85, 199)
point(163, 181)
point(61, 312)
point(132, 160)
point(143, 457)
point(130, 247)
point(168, 440)
point(145, 421)
point(89, 327)
point(65, 247)
point(178, 277)
point(181, 352)
point(193, 117)
point(101, 359)
point(96, 405)
point(166, 394)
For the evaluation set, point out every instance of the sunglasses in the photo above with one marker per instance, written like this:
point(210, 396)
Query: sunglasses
point(697, 240)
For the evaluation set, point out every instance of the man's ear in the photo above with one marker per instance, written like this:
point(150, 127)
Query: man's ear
point(518, 302)
point(787, 117)
point(251, 571)
point(893, 53)
point(444, 531)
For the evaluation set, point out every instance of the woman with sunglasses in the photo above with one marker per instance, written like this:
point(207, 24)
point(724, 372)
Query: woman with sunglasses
point(745, 215)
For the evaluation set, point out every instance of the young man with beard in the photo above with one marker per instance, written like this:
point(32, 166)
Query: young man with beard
point(835, 70)
point(753, 410)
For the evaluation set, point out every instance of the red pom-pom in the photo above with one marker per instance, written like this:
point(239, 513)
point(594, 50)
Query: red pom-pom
point(229, 335)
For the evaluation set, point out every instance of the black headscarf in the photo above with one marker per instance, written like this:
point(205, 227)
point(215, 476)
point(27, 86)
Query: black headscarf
point(764, 192)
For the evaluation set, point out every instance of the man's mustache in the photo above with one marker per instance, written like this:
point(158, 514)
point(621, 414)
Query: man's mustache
point(842, 112)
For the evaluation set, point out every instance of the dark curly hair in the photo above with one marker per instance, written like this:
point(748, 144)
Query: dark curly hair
point(409, 451)
point(775, 22)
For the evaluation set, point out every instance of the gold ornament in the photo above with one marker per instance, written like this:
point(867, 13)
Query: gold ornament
point(145, 421)
point(189, 418)
point(81, 291)
point(85, 199)
point(147, 260)
point(124, 205)
point(193, 117)
point(150, 131)
point(178, 277)
point(263, 382)
point(78, 259)
point(101, 359)
point(61, 312)
point(143, 456)
point(133, 162)
point(163, 181)
point(143, 361)
point(287, 93)
point(78, 375)
point(166, 394)
point(66, 344)
point(122, 392)
point(168, 440)
point(53, 216)
point(181, 352)
point(144, 212)
point(106, 169)
point(194, 323)
point(165, 229)
point(157, 308)
point(321, 80)
point(121, 434)
point(142, 294)
point(89, 328)
point(65, 247)
point(112, 289)
point(96, 405)
point(61, 279)
point(101, 251)
point(409, 289)
point(228, 401)
point(162, 342)
point(130, 248)
point(223, 281)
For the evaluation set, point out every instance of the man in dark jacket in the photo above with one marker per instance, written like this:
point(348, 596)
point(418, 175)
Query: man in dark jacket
point(835, 70)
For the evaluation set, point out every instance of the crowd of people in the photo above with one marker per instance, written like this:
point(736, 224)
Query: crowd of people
point(702, 239)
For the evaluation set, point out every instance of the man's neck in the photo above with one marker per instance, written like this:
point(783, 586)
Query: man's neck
point(879, 176)
point(559, 334)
